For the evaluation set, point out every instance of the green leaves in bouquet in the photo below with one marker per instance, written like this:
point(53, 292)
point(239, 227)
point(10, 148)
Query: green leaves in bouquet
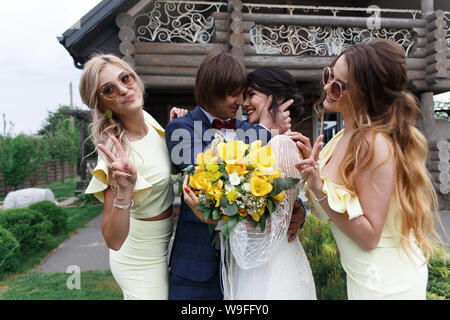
point(229, 225)
point(280, 184)
point(174, 178)
point(207, 212)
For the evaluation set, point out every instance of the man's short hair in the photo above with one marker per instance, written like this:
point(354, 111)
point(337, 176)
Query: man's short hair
point(219, 75)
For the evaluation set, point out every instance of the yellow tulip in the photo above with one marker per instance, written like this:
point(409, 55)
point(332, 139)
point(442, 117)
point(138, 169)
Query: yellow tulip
point(259, 185)
point(232, 152)
point(273, 175)
point(257, 216)
point(279, 197)
point(199, 181)
point(243, 212)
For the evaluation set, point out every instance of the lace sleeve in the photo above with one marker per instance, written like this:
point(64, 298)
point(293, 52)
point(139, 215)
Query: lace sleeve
point(250, 246)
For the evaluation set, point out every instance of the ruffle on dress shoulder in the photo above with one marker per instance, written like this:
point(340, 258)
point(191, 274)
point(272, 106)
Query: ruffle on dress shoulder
point(341, 200)
point(99, 183)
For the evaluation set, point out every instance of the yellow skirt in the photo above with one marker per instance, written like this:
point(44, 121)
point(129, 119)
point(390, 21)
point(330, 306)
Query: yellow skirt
point(140, 266)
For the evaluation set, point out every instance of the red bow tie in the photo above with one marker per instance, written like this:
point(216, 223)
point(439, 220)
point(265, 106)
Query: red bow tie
point(229, 124)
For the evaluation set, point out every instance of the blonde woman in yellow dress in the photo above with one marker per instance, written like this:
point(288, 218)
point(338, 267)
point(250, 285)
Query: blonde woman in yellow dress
point(129, 179)
point(370, 181)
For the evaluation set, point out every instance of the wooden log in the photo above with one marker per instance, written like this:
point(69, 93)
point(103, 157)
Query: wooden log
point(441, 177)
point(436, 35)
point(444, 188)
point(288, 62)
point(438, 14)
point(168, 82)
point(418, 53)
point(158, 60)
point(179, 48)
point(421, 42)
point(126, 48)
point(441, 144)
point(437, 46)
point(166, 71)
point(331, 21)
point(443, 55)
point(436, 24)
point(127, 34)
point(439, 166)
point(439, 69)
point(124, 20)
point(440, 86)
point(421, 32)
point(440, 155)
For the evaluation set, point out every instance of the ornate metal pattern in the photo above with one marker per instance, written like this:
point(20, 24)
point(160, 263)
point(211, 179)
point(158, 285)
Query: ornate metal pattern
point(333, 10)
point(177, 21)
point(319, 41)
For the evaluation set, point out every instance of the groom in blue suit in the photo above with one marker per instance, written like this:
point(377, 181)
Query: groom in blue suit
point(219, 87)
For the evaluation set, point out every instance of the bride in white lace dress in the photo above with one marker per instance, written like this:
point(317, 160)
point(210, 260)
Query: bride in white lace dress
point(264, 265)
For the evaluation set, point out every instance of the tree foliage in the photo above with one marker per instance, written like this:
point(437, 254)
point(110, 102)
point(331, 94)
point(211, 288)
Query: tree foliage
point(19, 158)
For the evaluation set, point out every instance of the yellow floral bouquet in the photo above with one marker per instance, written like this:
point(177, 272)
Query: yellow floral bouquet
point(236, 181)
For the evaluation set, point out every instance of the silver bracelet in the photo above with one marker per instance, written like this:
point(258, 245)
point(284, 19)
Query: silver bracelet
point(118, 206)
point(321, 199)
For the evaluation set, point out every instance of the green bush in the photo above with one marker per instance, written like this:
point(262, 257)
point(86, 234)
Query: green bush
point(55, 214)
point(438, 287)
point(87, 199)
point(323, 255)
point(29, 227)
point(9, 252)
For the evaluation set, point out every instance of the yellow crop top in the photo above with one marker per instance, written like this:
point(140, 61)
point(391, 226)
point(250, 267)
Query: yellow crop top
point(153, 192)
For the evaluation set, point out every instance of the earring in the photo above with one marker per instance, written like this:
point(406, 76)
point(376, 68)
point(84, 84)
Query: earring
point(109, 114)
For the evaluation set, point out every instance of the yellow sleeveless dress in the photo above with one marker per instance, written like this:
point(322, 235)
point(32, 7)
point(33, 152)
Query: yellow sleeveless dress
point(385, 272)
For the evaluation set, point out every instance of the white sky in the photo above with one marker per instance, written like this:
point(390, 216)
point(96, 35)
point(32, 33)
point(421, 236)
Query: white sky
point(36, 69)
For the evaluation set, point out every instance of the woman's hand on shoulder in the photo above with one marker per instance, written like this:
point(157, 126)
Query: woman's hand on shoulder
point(177, 113)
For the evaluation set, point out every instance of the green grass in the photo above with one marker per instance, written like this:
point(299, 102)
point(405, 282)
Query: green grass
point(94, 285)
point(77, 218)
point(63, 189)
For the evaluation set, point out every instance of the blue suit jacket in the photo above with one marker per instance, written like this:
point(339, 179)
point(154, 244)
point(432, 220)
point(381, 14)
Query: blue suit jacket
point(193, 256)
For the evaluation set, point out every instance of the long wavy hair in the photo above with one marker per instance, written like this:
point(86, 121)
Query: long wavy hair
point(101, 127)
point(379, 102)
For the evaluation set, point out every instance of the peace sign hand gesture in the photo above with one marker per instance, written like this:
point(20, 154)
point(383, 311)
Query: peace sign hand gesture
point(123, 172)
point(309, 169)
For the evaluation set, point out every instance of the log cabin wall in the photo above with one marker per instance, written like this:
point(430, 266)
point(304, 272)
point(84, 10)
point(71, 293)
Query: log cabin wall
point(166, 41)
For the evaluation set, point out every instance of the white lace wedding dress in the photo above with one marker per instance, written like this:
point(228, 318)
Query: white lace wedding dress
point(264, 265)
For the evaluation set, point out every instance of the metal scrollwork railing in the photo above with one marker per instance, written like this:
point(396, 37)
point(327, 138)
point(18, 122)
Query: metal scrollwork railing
point(293, 9)
point(319, 41)
point(177, 21)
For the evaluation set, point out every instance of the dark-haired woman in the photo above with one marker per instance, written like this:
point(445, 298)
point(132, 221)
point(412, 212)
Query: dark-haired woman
point(370, 180)
point(265, 265)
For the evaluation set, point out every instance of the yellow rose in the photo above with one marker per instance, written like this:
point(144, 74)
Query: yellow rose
point(199, 181)
point(232, 152)
point(215, 192)
point(273, 175)
point(261, 158)
point(259, 185)
point(239, 168)
point(205, 158)
point(279, 197)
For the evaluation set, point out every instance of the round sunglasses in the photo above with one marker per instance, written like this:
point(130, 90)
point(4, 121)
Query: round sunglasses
point(110, 91)
point(336, 87)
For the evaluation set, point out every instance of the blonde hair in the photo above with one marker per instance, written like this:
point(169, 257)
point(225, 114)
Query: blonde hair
point(101, 127)
point(379, 103)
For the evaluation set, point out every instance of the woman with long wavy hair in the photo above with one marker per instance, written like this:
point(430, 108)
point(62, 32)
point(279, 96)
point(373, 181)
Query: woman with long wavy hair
point(370, 181)
point(129, 179)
